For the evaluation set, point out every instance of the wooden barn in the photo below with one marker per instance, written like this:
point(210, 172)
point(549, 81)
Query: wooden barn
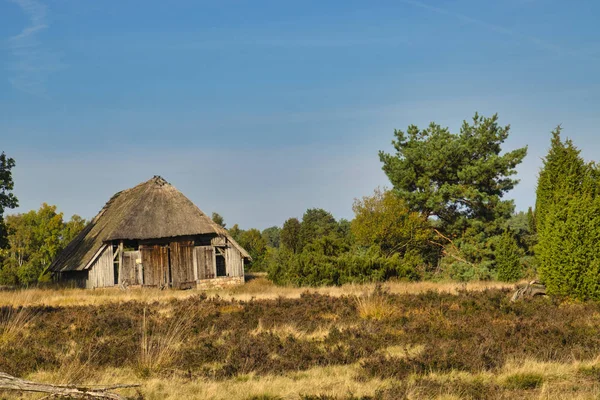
point(151, 235)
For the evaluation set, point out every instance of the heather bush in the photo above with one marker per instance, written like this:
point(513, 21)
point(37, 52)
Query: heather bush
point(468, 332)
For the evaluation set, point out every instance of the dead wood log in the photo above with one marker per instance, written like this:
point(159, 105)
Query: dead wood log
point(8, 382)
point(533, 288)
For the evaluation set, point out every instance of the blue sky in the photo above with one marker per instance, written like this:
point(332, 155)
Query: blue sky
point(261, 109)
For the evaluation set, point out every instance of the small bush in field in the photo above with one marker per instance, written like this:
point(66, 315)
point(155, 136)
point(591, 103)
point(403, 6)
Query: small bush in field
point(375, 305)
point(524, 381)
point(508, 258)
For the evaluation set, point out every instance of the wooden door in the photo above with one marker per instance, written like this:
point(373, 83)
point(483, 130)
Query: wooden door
point(204, 260)
point(155, 263)
point(182, 264)
point(130, 272)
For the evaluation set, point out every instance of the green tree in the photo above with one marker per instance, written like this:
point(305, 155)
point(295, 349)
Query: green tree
point(567, 219)
point(256, 245)
point(218, 219)
point(290, 235)
point(72, 228)
point(345, 231)
point(384, 220)
point(35, 238)
point(236, 232)
point(317, 223)
point(562, 174)
point(508, 258)
point(7, 198)
point(457, 178)
point(272, 236)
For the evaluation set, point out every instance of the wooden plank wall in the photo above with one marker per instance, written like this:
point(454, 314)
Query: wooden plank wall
point(155, 262)
point(234, 262)
point(204, 256)
point(102, 272)
point(182, 263)
point(130, 270)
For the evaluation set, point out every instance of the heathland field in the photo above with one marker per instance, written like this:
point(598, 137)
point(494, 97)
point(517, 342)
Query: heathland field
point(399, 340)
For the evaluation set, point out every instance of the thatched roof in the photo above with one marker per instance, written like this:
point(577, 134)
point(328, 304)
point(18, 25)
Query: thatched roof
point(151, 210)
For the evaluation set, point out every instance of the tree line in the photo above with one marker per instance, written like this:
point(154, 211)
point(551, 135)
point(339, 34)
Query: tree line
point(29, 241)
point(445, 216)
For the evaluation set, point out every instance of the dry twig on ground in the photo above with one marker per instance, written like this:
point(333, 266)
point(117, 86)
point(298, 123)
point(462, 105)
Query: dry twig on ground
point(8, 382)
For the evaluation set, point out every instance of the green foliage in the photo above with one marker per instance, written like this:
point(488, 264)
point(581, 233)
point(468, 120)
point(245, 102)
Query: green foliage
point(35, 238)
point(256, 245)
point(290, 235)
point(561, 174)
point(7, 198)
point(272, 236)
point(235, 232)
point(218, 219)
point(318, 268)
point(317, 223)
point(384, 220)
point(320, 251)
point(508, 260)
point(567, 219)
point(458, 178)
point(524, 381)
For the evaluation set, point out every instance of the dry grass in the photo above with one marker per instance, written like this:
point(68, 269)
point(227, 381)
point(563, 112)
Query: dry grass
point(258, 288)
point(158, 347)
point(375, 305)
point(14, 320)
point(331, 380)
point(557, 381)
point(161, 339)
point(287, 330)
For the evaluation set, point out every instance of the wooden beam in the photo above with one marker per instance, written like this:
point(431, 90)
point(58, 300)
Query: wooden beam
point(100, 250)
point(120, 262)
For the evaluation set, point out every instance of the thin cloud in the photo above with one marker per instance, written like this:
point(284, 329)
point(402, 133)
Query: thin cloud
point(31, 62)
point(491, 27)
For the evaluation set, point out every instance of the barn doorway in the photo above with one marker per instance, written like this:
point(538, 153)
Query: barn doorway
point(220, 263)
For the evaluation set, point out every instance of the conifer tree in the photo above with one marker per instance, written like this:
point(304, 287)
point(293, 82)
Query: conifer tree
point(567, 219)
point(561, 174)
point(508, 263)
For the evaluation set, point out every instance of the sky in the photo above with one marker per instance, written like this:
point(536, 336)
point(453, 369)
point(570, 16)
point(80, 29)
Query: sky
point(259, 110)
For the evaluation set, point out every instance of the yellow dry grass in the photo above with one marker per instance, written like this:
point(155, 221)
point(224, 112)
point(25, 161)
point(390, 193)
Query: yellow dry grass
point(259, 288)
point(14, 322)
point(560, 381)
point(158, 346)
point(287, 330)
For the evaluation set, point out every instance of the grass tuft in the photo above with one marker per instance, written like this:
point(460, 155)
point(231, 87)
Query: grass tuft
point(524, 381)
point(13, 323)
point(375, 305)
point(159, 344)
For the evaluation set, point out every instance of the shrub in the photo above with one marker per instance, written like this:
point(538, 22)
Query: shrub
point(313, 268)
point(508, 261)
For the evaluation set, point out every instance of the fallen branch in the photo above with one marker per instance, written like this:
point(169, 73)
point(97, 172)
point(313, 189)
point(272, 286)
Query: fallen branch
point(8, 382)
point(533, 288)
